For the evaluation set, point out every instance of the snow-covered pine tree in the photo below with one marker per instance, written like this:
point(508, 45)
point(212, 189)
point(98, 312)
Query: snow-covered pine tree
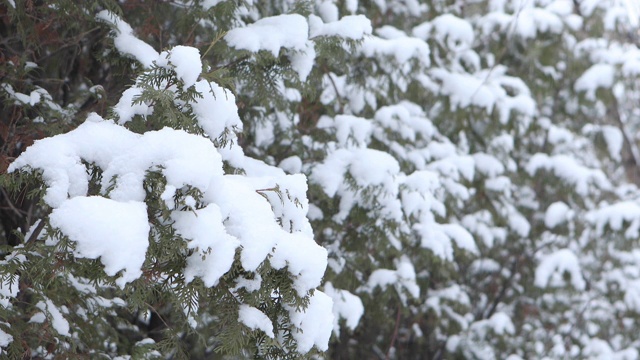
point(472, 175)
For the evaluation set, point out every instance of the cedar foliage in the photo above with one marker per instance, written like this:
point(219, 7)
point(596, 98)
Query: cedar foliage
point(480, 301)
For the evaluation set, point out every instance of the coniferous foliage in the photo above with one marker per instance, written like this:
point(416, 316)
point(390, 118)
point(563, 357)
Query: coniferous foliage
point(307, 179)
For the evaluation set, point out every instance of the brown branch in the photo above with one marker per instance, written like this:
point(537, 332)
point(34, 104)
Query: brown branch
point(395, 333)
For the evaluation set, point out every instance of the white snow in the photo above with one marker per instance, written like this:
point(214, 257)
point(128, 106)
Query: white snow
point(126, 109)
point(354, 27)
point(5, 340)
point(126, 42)
point(488, 165)
point(400, 49)
point(597, 76)
point(403, 278)
point(289, 31)
point(556, 214)
point(553, 266)
point(614, 138)
point(448, 29)
point(255, 319)
point(185, 61)
point(499, 323)
point(116, 232)
point(215, 248)
point(345, 306)
point(315, 323)
point(614, 217)
point(216, 111)
point(304, 259)
point(568, 169)
point(464, 90)
point(58, 322)
point(186, 160)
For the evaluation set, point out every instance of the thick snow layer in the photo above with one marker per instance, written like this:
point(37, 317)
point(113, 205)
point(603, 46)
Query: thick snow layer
point(448, 29)
point(354, 27)
point(185, 61)
point(499, 323)
point(403, 278)
point(186, 160)
point(345, 306)
point(126, 109)
point(314, 323)
point(216, 111)
point(255, 319)
point(550, 272)
point(614, 216)
point(438, 238)
point(289, 31)
point(568, 169)
point(250, 220)
point(597, 348)
point(557, 213)
point(116, 232)
point(215, 248)
point(531, 21)
point(597, 76)
point(488, 165)
point(126, 42)
point(464, 90)
point(368, 167)
point(400, 49)
point(304, 259)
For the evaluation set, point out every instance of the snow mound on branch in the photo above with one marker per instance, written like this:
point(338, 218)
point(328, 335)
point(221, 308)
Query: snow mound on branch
point(597, 76)
point(404, 278)
point(552, 267)
point(345, 306)
point(116, 232)
point(531, 21)
point(126, 109)
point(401, 49)
point(289, 31)
point(215, 248)
point(354, 27)
point(126, 42)
point(615, 216)
point(570, 171)
point(439, 238)
point(448, 29)
point(557, 213)
point(183, 158)
point(314, 324)
point(216, 111)
point(368, 168)
point(255, 319)
point(58, 322)
point(185, 61)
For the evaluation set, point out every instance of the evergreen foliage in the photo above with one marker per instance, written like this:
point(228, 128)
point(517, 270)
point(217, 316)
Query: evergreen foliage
point(319, 179)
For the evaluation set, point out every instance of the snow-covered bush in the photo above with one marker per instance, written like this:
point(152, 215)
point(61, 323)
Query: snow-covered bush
point(391, 179)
